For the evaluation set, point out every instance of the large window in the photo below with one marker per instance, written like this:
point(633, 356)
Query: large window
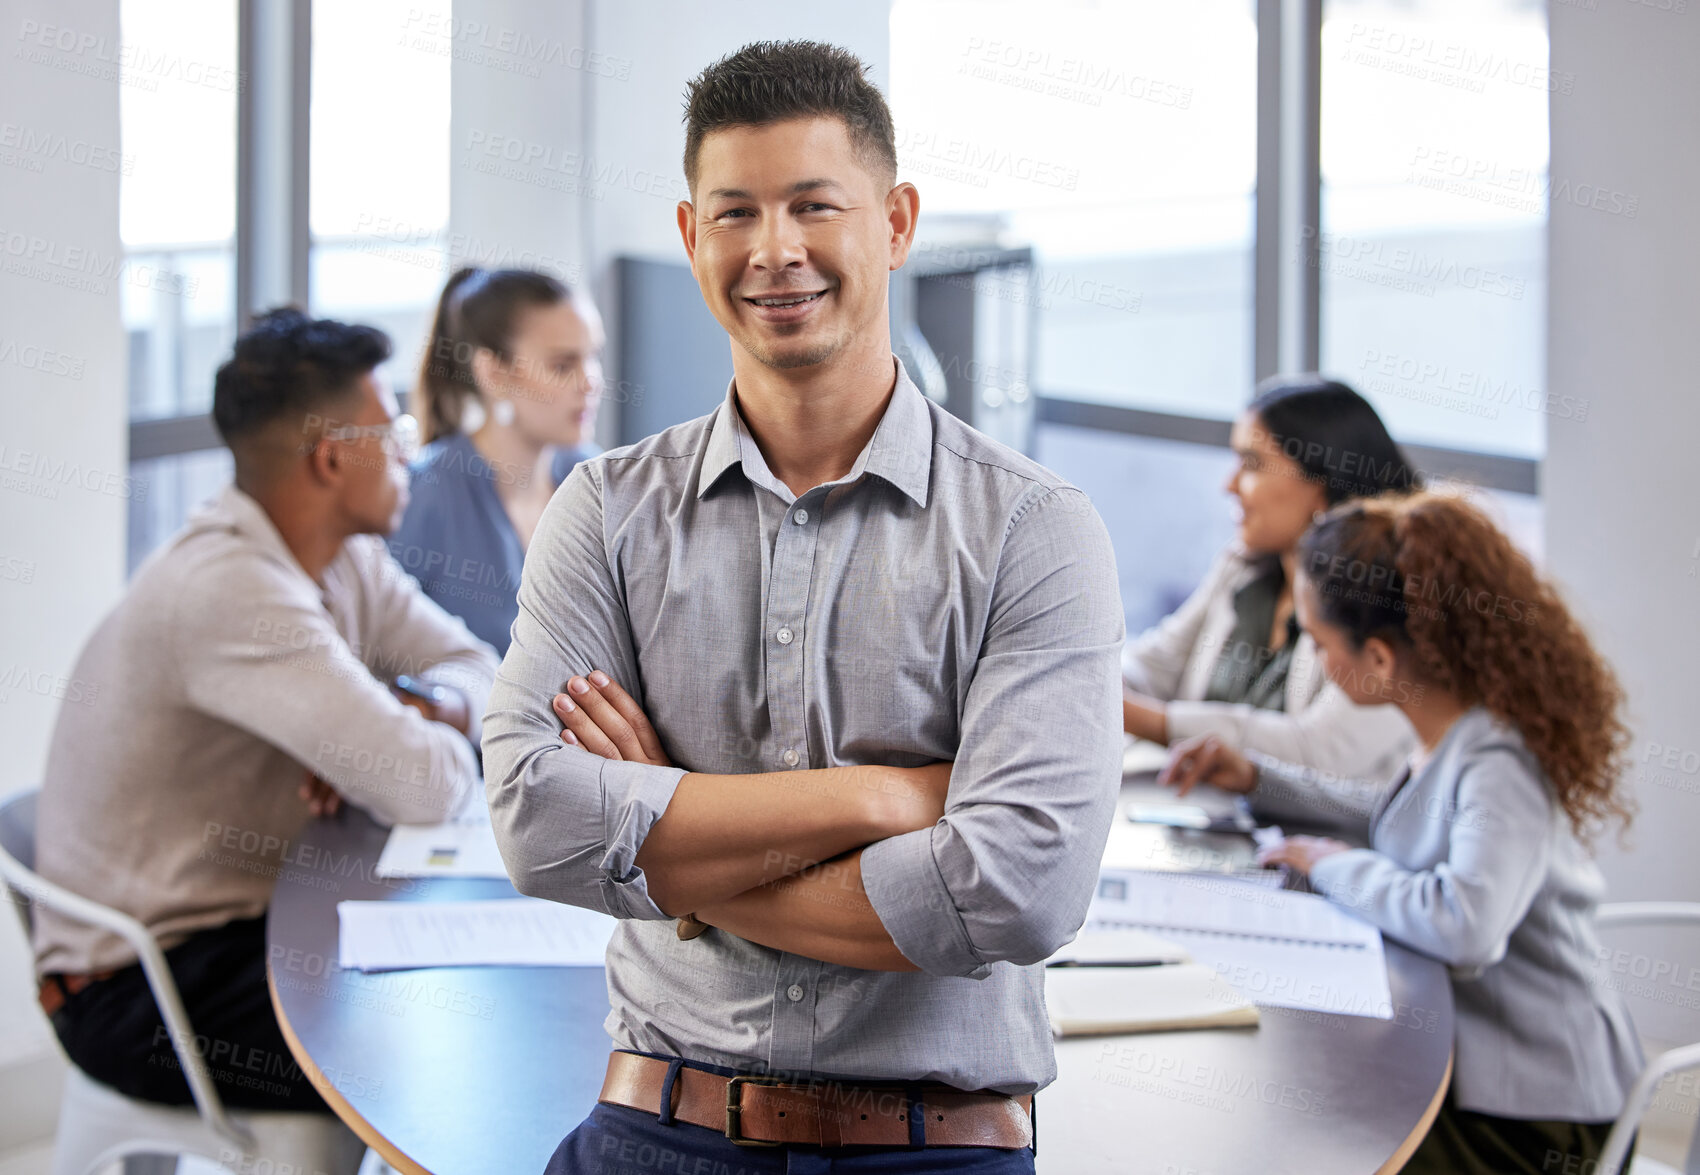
point(1140, 149)
point(377, 205)
point(1119, 142)
point(177, 219)
point(379, 201)
point(1432, 255)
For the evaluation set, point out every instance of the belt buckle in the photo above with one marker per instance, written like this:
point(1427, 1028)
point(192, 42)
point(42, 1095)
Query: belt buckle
point(734, 1109)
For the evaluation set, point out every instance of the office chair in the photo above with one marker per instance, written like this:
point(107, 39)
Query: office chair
point(99, 1126)
point(1643, 915)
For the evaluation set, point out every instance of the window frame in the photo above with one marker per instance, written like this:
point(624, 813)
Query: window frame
point(273, 240)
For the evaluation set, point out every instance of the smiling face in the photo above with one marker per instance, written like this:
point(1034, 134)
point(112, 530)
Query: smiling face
point(1277, 501)
point(791, 237)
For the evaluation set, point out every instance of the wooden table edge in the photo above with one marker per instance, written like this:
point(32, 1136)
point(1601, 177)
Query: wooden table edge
point(352, 1118)
point(1420, 1131)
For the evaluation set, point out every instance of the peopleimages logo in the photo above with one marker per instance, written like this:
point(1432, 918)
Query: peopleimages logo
point(42, 476)
point(39, 144)
point(61, 47)
point(1363, 256)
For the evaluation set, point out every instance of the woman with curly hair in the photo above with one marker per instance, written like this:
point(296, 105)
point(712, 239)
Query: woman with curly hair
point(1477, 855)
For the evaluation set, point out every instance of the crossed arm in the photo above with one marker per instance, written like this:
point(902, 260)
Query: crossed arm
point(865, 866)
point(791, 880)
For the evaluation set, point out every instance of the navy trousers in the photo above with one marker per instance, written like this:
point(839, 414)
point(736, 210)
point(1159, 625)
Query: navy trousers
point(617, 1140)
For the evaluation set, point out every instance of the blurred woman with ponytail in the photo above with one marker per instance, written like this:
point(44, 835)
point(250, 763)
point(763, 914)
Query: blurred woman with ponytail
point(1477, 855)
point(506, 399)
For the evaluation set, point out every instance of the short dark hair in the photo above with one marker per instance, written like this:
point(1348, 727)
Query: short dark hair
point(287, 366)
point(1334, 436)
point(771, 81)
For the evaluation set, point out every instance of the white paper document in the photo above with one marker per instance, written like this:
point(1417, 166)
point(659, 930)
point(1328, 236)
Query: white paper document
point(506, 932)
point(461, 849)
point(1276, 947)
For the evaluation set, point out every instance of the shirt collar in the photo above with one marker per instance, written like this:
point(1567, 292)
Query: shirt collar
point(899, 452)
point(236, 511)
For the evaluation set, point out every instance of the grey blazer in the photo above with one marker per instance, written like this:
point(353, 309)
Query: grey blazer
point(1472, 862)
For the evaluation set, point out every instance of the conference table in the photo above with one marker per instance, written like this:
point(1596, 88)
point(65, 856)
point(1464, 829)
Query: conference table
point(470, 1070)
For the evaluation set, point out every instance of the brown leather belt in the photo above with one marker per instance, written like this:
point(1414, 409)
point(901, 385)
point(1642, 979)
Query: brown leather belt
point(767, 1111)
point(55, 989)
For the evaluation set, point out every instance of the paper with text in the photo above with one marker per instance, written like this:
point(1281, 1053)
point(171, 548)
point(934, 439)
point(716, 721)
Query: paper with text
point(507, 932)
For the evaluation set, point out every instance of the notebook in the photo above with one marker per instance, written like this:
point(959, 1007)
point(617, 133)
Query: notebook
point(1276, 947)
point(1099, 1000)
point(1125, 980)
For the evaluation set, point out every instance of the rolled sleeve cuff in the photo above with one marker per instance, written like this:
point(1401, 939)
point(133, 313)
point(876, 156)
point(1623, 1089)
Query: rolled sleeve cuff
point(634, 795)
point(909, 895)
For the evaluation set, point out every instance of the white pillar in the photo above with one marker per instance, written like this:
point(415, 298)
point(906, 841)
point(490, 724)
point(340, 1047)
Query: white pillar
point(1622, 501)
point(63, 460)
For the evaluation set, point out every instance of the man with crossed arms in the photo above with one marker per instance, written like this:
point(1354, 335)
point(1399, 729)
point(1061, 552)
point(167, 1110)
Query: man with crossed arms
point(863, 634)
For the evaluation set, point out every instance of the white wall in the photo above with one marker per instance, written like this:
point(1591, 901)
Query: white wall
point(517, 129)
point(63, 444)
point(1622, 501)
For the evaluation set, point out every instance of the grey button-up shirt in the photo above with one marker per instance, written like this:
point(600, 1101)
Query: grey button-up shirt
point(946, 599)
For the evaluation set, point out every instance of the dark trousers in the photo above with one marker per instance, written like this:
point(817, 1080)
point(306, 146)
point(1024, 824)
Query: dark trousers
point(114, 1033)
point(618, 1140)
point(1463, 1142)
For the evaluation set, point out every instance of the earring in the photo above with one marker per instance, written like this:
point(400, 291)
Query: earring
point(502, 412)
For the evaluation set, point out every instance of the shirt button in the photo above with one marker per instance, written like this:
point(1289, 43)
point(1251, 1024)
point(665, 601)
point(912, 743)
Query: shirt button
point(795, 992)
point(800, 517)
point(790, 756)
point(784, 636)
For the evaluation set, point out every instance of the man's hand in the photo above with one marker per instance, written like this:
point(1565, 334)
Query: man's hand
point(685, 871)
point(322, 799)
point(1205, 758)
point(1301, 853)
point(599, 716)
point(1145, 717)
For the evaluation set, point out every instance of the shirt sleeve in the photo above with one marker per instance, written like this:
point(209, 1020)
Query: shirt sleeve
point(412, 634)
point(1463, 910)
point(569, 823)
point(1007, 874)
point(1154, 662)
point(1330, 734)
point(1291, 791)
point(261, 652)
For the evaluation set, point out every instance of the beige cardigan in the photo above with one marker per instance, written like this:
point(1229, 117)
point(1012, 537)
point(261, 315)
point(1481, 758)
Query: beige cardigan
point(221, 678)
point(1319, 727)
